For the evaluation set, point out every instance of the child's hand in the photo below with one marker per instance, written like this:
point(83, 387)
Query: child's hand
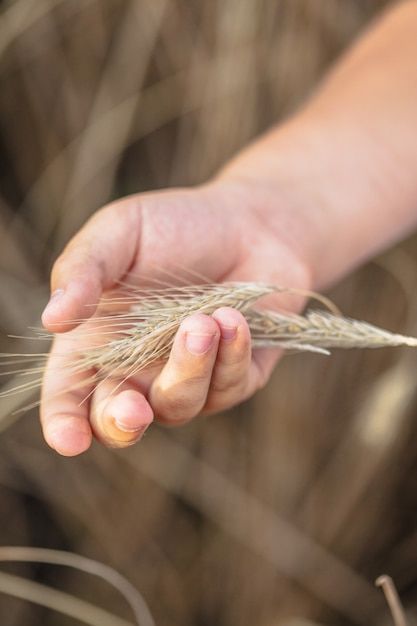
point(210, 230)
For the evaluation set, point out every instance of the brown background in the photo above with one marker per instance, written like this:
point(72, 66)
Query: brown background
point(288, 507)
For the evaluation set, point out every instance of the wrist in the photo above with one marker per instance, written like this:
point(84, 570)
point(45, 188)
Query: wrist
point(335, 189)
point(274, 178)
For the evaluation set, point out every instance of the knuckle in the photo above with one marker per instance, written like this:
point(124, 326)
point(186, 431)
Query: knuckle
point(182, 376)
point(223, 384)
point(73, 262)
point(175, 406)
point(228, 390)
point(237, 356)
point(235, 359)
point(178, 403)
point(222, 401)
point(73, 255)
point(58, 266)
point(174, 410)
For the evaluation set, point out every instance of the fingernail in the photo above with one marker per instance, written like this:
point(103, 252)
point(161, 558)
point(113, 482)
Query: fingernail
point(198, 344)
point(125, 425)
point(228, 332)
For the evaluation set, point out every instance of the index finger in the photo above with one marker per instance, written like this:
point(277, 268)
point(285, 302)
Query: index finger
point(99, 255)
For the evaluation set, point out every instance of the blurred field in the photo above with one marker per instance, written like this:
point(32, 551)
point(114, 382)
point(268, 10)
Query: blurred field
point(285, 510)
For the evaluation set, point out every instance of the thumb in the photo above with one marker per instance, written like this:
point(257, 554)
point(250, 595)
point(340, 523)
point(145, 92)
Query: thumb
point(99, 255)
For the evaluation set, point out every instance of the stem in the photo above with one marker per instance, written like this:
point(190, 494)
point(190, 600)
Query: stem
point(397, 611)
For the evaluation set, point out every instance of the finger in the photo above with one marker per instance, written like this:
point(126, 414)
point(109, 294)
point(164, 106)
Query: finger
point(120, 414)
point(179, 392)
point(64, 415)
point(230, 383)
point(261, 368)
point(95, 258)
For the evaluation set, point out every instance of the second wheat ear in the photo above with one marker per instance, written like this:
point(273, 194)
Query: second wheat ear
point(135, 328)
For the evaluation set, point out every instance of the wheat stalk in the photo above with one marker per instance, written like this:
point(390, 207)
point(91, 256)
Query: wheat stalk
point(67, 604)
point(135, 328)
point(393, 600)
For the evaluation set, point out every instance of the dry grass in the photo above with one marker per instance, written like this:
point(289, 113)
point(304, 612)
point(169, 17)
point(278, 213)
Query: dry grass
point(394, 602)
point(63, 603)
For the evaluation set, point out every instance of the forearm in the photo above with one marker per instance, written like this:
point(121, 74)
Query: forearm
point(339, 180)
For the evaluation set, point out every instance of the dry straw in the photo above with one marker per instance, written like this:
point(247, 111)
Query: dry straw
point(391, 595)
point(134, 328)
point(67, 604)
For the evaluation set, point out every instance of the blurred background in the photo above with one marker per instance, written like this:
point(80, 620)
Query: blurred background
point(284, 510)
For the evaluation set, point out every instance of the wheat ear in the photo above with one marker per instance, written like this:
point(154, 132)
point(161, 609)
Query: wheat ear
point(136, 329)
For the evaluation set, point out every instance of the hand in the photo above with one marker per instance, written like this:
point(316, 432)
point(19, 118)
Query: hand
point(217, 230)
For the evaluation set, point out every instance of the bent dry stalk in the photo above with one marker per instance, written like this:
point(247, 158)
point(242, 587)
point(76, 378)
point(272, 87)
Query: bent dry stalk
point(134, 329)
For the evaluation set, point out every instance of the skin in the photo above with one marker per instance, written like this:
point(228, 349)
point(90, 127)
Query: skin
point(210, 367)
point(300, 207)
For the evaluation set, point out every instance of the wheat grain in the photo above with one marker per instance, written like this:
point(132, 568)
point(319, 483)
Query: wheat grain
point(135, 329)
